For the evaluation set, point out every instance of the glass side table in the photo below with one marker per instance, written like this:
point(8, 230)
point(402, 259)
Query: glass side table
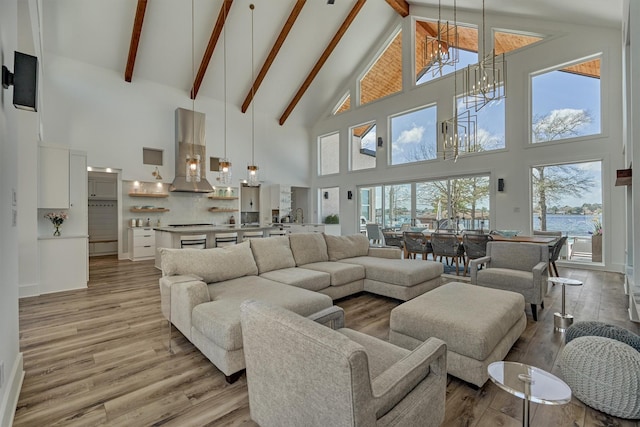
point(530, 384)
point(562, 320)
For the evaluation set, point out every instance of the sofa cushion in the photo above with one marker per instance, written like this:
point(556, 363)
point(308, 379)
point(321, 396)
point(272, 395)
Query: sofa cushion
point(506, 278)
point(300, 277)
point(401, 272)
point(340, 247)
point(219, 320)
point(308, 248)
point(340, 273)
point(213, 265)
point(272, 253)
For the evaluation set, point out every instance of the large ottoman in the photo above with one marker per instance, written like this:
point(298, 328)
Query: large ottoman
point(478, 324)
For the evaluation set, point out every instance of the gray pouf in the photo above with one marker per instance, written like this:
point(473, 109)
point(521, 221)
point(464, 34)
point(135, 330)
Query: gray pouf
point(603, 373)
point(600, 329)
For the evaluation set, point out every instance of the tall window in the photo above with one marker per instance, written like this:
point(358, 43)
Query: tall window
point(397, 205)
point(413, 136)
point(568, 198)
point(467, 50)
point(329, 154)
point(363, 146)
point(566, 102)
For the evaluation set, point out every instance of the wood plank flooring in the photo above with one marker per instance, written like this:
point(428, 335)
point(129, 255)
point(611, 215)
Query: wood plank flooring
point(99, 357)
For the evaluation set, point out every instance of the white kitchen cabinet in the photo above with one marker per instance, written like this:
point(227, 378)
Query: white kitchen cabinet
point(103, 189)
point(142, 243)
point(250, 199)
point(280, 201)
point(303, 228)
point(63, 263)
point(53, 167)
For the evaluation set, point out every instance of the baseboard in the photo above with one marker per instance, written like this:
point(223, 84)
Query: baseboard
point(10, 400)
point(30, 290)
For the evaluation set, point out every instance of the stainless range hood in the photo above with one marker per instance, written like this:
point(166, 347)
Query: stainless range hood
point(189, 142)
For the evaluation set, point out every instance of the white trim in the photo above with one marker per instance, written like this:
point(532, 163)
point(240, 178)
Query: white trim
point(10, 400)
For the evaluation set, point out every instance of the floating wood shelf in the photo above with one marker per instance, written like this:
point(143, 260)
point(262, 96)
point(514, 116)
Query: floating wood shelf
point(148, 195)
point(222, 210)
point(149, 210)
point(223, 197)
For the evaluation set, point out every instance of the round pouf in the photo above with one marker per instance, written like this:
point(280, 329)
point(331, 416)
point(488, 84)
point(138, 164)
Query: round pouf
point(603, 373)
point(600, 329)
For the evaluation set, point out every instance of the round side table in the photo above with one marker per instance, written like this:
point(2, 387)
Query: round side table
point(530, 384)
point(562, 320)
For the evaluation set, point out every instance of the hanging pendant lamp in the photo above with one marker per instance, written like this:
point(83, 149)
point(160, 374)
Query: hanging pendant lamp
point(441, 49)
point(485, 81)
point(224, 176)
point(193, 169)
point(252, 169)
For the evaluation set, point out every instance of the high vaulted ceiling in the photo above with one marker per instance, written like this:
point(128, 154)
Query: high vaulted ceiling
point(99, 33)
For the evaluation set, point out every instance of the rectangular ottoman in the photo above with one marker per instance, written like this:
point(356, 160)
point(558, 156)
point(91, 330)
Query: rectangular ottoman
point(478, 324)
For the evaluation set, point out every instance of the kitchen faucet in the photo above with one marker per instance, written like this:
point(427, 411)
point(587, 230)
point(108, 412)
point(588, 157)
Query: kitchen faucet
point(301, 219)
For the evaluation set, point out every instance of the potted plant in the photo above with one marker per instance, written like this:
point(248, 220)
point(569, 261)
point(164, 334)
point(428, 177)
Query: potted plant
point(332, 219)
point(596, 241)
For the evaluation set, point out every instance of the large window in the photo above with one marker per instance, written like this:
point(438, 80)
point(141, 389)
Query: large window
point(465, 48)
point(568, 198)
point(413, 136)
point(363, 146)
point(458, 203)
point(329, 154)
point(566, 102)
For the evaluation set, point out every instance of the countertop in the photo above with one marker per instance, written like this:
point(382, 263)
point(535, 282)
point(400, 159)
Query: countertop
point(212, 228)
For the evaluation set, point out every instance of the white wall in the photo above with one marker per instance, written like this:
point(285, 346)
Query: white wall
point(94, 109)
point(510, 209)
point(10, 354)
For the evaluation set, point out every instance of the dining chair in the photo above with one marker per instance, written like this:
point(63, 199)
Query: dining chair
point(374, 233)
point(554, 254)
point(475, 246)
point(447, 245)
point(416, 243)
point(392, 238)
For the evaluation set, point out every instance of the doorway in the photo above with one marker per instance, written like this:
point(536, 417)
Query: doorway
point(103, 212)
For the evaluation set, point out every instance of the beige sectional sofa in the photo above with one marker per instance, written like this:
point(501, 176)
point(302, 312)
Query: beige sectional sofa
point(202, 289)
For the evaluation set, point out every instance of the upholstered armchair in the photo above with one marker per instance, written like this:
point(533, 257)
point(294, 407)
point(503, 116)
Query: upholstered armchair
point(517, 267)
point(302, 373)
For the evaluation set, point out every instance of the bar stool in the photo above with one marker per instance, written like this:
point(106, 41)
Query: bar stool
point(226, 239)
point(247, 235)
point(193, 241)
point(277, 232)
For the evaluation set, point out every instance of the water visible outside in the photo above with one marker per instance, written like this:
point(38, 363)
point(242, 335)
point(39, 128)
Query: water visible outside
point(571, 225)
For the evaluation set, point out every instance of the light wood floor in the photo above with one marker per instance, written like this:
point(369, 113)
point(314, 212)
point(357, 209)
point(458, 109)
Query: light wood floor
point(99, 357)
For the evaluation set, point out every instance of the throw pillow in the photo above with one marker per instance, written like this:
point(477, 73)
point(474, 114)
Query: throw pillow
point(272, 253)
point(308, 248)
point(341, 247)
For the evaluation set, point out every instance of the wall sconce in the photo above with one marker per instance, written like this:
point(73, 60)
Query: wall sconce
point(379, 141)
point(349, 195)
point(156, 174)
point(326, 194)
point(24, 81)
point(500, 184)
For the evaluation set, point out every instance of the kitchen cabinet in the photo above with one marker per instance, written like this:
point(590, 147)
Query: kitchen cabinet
point(142, 243)
point(280, 201)
point(103, 189)
point(303, 228)
point(63, 263)
point(53, 168)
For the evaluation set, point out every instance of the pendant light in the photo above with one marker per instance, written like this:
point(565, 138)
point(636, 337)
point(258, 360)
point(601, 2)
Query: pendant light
point(252, 169)
point(193, 160)
point(224, 176)
point(458, 134)
point(485, 81)
point(441, 49)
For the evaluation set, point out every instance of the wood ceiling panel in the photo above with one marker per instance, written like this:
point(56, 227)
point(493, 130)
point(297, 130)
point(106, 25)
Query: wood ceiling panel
point(385, 76)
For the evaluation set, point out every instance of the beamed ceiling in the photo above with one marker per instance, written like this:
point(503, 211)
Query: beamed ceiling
point(304, 50)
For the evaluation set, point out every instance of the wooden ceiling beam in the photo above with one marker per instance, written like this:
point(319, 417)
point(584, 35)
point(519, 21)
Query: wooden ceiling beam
point(274, 52)
point(323, 58)
point(400, 6)
point(135, 39)
point(208, 53)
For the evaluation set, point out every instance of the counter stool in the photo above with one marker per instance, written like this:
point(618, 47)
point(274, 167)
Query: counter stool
point(226, 239)
point(193, 241)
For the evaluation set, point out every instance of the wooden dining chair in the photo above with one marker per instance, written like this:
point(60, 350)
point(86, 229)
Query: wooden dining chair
point(447, 245)
point(416, 243)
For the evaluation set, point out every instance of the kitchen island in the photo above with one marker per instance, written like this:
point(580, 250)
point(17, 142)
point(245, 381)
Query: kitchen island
point(169, 236)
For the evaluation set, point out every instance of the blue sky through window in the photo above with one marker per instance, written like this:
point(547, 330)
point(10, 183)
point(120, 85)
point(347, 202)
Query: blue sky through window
point(413, 136)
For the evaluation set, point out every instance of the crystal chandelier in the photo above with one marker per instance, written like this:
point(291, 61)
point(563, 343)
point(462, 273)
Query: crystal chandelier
point(485, 81)
point(252, 169)
point(440, 49)
point(224, 175)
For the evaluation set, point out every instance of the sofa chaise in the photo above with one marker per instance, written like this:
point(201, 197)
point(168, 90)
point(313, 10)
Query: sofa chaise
point(201, 289)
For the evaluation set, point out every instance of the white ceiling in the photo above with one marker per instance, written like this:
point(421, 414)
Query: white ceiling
point(98, 32)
